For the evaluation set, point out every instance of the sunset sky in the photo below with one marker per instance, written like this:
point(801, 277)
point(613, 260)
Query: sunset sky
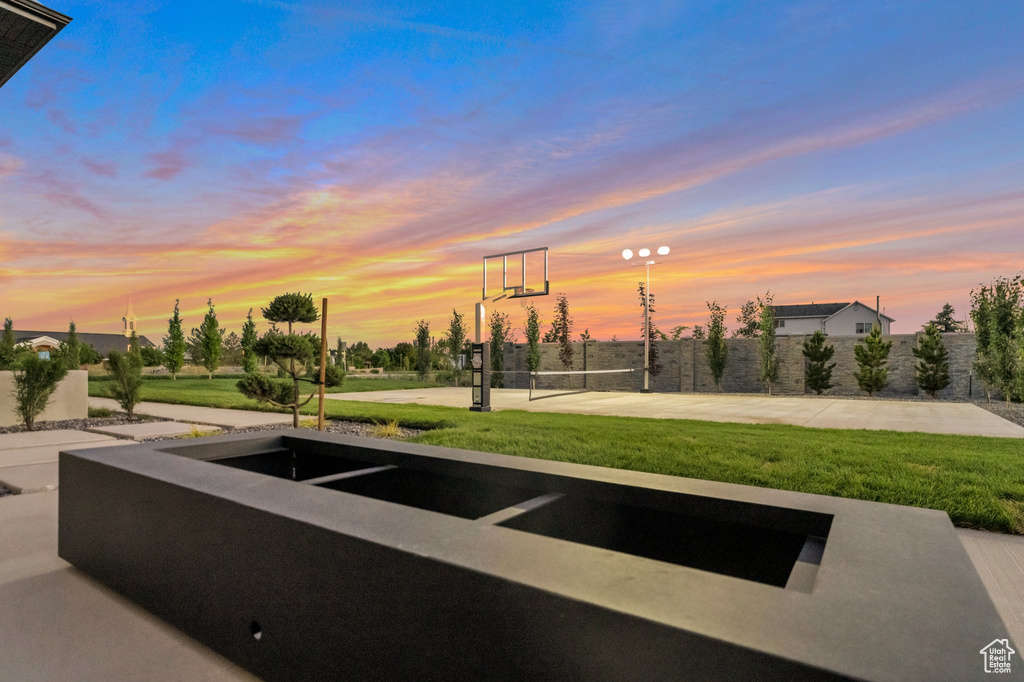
point(827, 151)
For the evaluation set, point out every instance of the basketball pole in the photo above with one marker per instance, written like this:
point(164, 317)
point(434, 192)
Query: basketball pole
point(323, 365)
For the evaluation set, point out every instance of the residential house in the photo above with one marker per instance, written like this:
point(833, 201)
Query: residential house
point(837, 319)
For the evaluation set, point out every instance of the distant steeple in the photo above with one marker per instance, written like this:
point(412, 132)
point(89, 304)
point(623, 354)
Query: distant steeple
point(129, 319)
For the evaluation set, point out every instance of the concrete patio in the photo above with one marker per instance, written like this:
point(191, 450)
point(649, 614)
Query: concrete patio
point(823, 413)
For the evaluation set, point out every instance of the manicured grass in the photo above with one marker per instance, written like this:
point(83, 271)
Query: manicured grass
point(978, 481)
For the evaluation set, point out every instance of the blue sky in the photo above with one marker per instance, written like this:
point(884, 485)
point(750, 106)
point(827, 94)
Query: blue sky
point(373, 153)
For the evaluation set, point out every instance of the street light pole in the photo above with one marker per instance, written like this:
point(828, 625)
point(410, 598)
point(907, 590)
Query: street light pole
point(644, 253)
point(647, 331)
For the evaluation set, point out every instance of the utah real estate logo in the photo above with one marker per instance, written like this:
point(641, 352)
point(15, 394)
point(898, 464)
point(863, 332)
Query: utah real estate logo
point(997, 656)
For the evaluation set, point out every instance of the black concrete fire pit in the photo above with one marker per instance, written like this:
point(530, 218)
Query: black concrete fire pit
point(321, 556)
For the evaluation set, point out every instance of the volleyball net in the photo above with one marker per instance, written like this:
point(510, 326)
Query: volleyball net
point(549, 383)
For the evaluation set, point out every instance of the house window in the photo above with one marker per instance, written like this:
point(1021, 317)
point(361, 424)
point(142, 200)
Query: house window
point(864, 327)
point(779, 324)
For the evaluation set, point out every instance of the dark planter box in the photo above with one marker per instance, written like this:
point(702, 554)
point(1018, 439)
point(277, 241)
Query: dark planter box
point(316, 556)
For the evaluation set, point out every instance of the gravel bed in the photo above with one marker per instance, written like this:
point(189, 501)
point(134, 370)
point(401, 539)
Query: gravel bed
point(331, 426)
point(1013, 412)
point(79, 424)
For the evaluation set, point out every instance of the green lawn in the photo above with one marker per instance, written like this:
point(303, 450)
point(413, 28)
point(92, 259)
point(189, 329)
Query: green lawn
point(978, 481)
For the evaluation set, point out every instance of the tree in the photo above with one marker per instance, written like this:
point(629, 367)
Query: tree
point(717, 351)
point(532, 331)
point(932, 369)
point(294, 354)
point(651, 331)
point(9, 350)
point(1005, 331)
point(501, 333)
point(34, 384)
point(292, 309)
point(699, 332)
point(211, 339)
point(423, 349)
point(127, 385)
point(133, 347)
point(71, 348)
point(981, 315)
point(232, 356)
point(563, 326)
point(456, 340)
point(585, 335)
point(151, 356)
point(89, 355)
point(766, 342)
point(339, 353)
point(872, 356)
point(945, 321)
point(819, 371)
point(174, 344)
point(677, 332)
point(380, 358)
point(750, 321)
point(250, 361)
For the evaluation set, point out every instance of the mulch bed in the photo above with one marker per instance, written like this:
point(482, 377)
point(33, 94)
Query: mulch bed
point(78, 424)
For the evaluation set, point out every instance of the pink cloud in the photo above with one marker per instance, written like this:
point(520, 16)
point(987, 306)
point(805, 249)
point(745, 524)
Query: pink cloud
point(167, 164)
point(108, 170)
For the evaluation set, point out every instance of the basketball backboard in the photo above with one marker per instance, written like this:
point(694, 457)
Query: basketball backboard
point(516, 274)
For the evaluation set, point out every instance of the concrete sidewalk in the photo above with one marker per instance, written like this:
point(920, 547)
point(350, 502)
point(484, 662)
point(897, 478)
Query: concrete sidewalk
point(824, 413)
point(28, 461)
point(207, 416)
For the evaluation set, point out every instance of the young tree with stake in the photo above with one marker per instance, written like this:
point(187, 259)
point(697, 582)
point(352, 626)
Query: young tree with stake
point(766, 347)
point(211, 338)
point(457, 332)
point(717, 351)
point(250, 362)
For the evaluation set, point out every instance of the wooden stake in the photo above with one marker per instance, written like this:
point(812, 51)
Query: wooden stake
point(323, 365)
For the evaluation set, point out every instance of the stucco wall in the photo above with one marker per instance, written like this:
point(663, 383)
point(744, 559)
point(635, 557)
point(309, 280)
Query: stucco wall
point(684, 366)
point(69, 401)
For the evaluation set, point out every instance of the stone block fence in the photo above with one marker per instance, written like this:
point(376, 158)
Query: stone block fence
point(684, 366)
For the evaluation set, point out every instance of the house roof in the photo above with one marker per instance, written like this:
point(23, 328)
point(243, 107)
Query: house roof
point(25, 26)
point(103, 343)
point(808, 309)
point(817, 310)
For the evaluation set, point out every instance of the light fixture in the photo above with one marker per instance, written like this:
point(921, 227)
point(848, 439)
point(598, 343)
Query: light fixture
point(663, 250)
point(627, 253)
point(644, 253)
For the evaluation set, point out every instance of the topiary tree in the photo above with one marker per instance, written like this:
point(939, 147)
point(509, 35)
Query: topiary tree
point(456, 340)
point(174, 344)
point(819, 372)
point(932, 369)
point(767, 354)
point(294, 355)
point(717, 351)
point(34, 384)
point(423, 349)
point(126, 388)
point(501, 333)
point(872, 356)
point(249, 338)
point(212, 340)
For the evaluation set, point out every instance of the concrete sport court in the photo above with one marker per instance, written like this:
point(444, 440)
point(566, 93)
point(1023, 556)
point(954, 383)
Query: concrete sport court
point(823, 413)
